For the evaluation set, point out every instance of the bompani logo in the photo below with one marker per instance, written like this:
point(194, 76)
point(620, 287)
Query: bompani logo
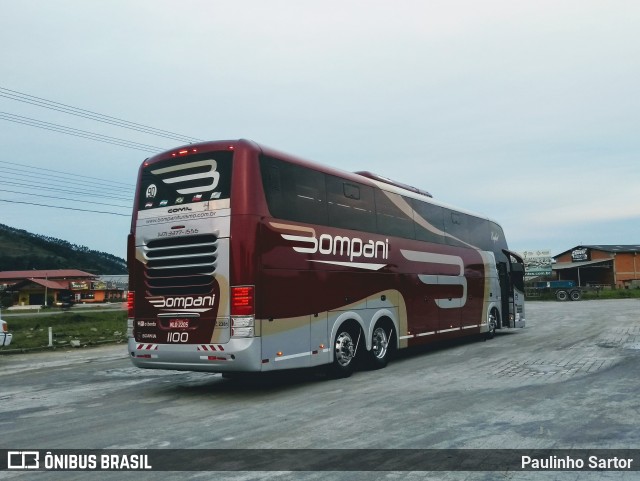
point(184, 304)
point(352, 248)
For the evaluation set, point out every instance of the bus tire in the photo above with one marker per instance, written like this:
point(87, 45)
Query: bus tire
point(493, 317)
point(345, 345)
point(575, 295)
point(562, 295)
point(382, 345)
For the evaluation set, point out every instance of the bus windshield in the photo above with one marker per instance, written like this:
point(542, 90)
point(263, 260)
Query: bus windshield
point(177, 181)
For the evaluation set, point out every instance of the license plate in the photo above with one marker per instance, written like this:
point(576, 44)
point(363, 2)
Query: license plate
point(179, 324)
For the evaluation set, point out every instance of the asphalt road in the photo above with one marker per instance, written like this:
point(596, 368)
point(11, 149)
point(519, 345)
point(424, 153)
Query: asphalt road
point(568, 380)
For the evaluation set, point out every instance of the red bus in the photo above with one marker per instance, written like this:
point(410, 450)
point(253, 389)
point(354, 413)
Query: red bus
point(245, 259)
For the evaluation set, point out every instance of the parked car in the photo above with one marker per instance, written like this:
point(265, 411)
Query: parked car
point(5, 335)
point(63, 304)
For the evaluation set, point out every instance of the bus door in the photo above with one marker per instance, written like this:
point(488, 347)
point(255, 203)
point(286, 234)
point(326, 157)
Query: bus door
point(505, 293)
point(515, 285)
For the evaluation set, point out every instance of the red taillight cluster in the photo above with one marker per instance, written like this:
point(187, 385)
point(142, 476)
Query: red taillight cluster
point(131, 302)
point(184, 152)
point(242, 301)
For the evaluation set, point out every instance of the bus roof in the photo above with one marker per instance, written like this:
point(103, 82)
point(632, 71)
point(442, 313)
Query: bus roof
point(363, 177)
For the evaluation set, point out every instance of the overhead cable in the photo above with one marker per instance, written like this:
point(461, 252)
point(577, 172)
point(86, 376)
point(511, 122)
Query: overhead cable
point(66, 198)
point(88, 114)
point(79, 133)
point(66, 191)
point(67, 181)
point(65, 208)
point(66, 173)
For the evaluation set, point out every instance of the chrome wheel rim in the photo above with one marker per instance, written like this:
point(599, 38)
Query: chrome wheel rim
point(345, 350)
point(492, 321)
point(379, 343)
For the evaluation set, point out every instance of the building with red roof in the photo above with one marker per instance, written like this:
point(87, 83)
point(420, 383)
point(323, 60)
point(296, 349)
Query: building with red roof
point(600, 265)
point(57, 287)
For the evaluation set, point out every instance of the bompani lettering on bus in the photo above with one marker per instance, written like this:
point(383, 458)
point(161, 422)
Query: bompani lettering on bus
point(326, 244)
point(351, 247)
point(188, 303)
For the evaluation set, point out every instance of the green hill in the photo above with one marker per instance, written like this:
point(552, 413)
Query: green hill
point(21, 250)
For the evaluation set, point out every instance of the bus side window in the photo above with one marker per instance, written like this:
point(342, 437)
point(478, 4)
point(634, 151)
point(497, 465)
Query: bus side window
point(308, 196)
point(478, 233)
point(270, 171)
point(428, 222)
point(391, 218)
point(293, 192)
point(455, 226)
point(273, 180)
point(351, 205)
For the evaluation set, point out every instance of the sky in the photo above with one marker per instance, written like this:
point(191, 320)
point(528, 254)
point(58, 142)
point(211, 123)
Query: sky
point(526, 112)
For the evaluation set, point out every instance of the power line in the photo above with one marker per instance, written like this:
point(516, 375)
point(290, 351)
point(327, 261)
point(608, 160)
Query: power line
point(65, 208)
point(56, 179)
point(78, 133)
point(33, 167)
point(54, 189)
point(66, 198)
point(51, 180)
point(88, 114)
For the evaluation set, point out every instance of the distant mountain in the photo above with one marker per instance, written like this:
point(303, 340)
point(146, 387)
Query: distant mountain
point(21, 250)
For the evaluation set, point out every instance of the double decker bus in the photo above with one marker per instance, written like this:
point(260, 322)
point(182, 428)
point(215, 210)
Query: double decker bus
point(245, 259)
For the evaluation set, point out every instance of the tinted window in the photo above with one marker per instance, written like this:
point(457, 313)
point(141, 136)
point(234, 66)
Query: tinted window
point(467, 230)
point(391, 218)
point(498, 241)
point(478, 233)
point(193, 178)
point(455, 225)
point(428, 222)
point(294, 192)
point(350, 205)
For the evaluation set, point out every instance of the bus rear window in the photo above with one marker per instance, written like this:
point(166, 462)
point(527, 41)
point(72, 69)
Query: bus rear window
point(183, 180)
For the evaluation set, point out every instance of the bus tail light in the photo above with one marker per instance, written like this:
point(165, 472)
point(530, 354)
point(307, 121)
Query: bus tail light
point(242, 301)
point(131, 302)
point(242, 311)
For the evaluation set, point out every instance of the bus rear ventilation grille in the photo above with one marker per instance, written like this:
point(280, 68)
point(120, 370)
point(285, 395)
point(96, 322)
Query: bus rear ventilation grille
point(181, 265)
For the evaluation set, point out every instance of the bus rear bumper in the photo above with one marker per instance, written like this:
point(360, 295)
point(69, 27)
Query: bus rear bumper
point(237, 355)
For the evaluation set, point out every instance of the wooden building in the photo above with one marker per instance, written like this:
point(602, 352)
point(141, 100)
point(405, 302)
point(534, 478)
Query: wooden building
point(600, 266)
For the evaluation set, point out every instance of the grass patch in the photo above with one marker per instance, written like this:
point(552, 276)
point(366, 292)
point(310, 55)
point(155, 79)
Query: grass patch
point(612, 294)
point(89, 328)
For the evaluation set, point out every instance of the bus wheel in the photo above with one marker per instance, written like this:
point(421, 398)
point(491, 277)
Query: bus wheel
point(575, 295)
point(344, 353)
point(562, 295)
point(381, 347)
point(492, 323)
